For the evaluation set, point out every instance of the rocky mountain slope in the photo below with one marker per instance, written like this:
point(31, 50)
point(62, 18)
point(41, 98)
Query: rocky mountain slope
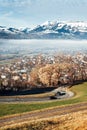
point(47, 30)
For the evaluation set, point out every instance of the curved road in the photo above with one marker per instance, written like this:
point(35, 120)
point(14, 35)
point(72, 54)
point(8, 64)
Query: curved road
point(14, 99)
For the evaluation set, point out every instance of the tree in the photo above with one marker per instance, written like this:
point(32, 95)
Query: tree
point(34, 77)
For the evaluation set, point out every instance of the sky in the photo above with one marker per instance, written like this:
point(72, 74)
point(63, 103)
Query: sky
point(29, 13)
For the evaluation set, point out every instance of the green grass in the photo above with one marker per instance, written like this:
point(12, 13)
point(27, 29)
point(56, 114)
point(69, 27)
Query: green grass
point(80, 96)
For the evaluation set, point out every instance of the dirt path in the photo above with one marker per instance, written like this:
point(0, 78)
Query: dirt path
point(57, 111)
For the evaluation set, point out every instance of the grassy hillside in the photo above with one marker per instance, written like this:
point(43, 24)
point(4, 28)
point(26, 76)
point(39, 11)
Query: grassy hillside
point(80, 96)
point(73, 121)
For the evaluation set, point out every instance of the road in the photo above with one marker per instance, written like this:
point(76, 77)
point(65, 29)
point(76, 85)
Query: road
point(29, 116)
point(14, 99)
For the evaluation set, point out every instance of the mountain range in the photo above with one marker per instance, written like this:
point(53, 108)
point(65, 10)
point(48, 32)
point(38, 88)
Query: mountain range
point(47, 30)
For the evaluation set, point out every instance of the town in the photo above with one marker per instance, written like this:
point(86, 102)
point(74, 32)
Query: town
point(29, 72)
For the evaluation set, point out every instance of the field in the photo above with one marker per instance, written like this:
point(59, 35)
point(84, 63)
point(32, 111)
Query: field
point(72, 121)
point(16, 108)
point(69, 114)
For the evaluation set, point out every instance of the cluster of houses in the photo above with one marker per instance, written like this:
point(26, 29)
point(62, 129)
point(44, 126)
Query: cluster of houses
point(17, 74)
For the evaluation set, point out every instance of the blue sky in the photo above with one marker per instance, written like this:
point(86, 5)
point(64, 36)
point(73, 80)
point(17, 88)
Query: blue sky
point(28, 13)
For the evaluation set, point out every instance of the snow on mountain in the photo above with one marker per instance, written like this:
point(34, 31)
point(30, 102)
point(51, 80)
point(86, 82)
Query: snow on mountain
point(25, 30)
point(8, 30)
point(47, 30)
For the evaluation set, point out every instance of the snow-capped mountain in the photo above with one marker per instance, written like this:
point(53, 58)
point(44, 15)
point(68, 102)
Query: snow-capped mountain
point(48, 30)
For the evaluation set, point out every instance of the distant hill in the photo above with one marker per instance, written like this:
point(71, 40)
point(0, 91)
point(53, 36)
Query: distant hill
point(47, 30)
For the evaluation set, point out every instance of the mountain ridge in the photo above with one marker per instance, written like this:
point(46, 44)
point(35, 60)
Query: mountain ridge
point(47, 30)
